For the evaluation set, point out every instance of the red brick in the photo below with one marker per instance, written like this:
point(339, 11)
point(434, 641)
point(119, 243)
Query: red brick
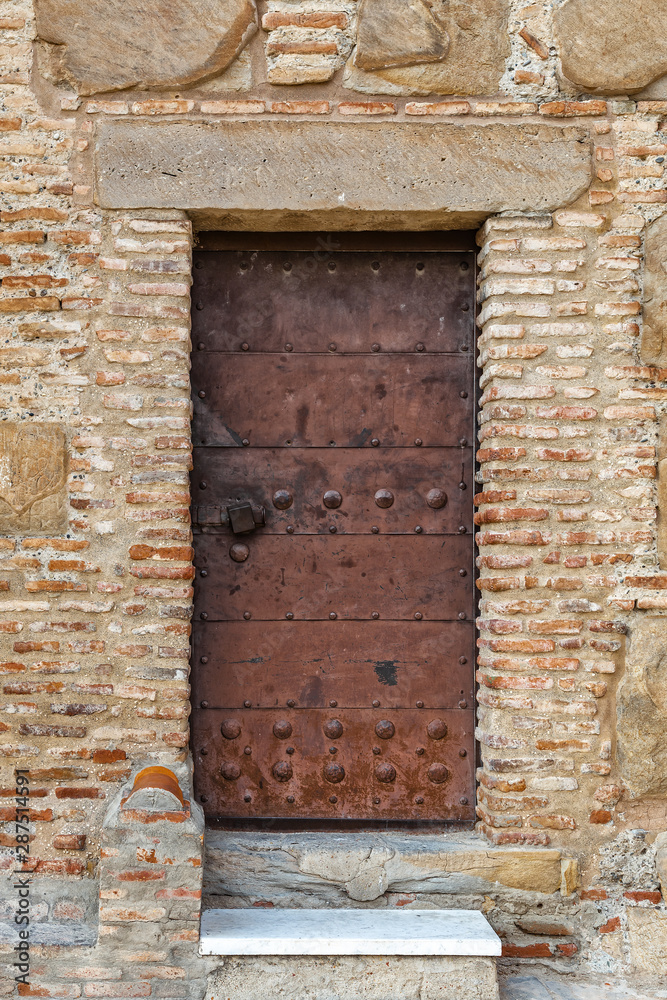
point(643, 896)
point(613, 924)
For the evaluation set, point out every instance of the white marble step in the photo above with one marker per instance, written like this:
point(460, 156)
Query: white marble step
point(346, 932)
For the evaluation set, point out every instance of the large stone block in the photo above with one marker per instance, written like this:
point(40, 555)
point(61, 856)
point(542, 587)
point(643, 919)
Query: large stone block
point(642, 711)
point(614, 48)
point(33, 464)
point(654, 336)
point(472, 63)
point(396, 33)
point(647, 931)
point(105, 45)
point(326, 869)
point(368, 978)
point(348, 174)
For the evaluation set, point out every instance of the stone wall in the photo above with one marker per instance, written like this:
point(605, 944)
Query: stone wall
point(96, 561)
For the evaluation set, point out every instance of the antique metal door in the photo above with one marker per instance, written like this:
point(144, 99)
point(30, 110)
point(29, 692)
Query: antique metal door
point(332, 508)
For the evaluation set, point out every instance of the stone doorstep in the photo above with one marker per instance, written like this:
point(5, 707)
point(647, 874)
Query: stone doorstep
point(347, 932)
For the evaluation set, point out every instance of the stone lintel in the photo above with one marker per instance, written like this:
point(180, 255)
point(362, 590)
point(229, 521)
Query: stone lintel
point(340, 175)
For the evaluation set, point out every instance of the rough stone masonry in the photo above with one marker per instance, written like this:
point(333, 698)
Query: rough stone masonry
point(542, 125)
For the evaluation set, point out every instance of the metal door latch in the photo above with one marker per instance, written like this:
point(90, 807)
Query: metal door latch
point(235, 516)
point(243, 517)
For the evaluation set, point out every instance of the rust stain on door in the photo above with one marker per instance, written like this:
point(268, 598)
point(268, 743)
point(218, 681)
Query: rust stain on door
point(332, 510)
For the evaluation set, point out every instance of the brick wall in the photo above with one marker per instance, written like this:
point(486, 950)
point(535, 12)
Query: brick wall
point(94, 617)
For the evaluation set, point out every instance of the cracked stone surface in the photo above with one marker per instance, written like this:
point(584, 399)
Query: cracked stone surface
point(106, 45)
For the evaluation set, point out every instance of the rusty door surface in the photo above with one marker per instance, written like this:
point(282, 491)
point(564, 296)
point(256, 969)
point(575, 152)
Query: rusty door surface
point(332, 509)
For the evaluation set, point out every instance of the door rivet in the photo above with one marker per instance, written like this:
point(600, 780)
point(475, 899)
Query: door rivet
point(461, 616)
point(245, 442)
point(331, 265)
point(247, 751)
point(462, 486)
point(245, 347)
point(420, 751)
point(289, 750)
point(332, 499)
point(376, 802)
point(289, 616)
point(332, 347)
point(464, 265)
point(419, 704)
point(334, 772)
point(282, 770)
point(333, 704)
point(203, 486)
point(438, 773)
point(247, 797)
point(418, 615)
point(385, 729)
point(247, 615)
point(463, 704)
point(290, 799)
point(418, 442)
point(200, 306)
point(376, 703)
point(375, 530)
point(289, 347)
point(230, 729)
point(436, 499)
point(419, 347)
point(203, 751)
point(203, 572)
point(419, 801)
point(290, 529)
point(333, 529)
point(201, 346)
point(375, 442)
point(385, 772)
point(333, 800)
point(376, 751)
point(203, 659)
point(376, 265)
point(201, 394)
point(463, 660)
point(436, 729)
point(282, 499)
point(230, 771)
point(462, 529)
point(464, 347)
point(463, 572)
point(463, 753)
point(463, 442)
point(291, 703)
point(247, 704)
point(203, 798)
point(375, 348)
point(333, 749)
point(333, 615)
point(287, 266)
point(203, 615)
point(463, 800)
point(375, 615)
point(384, 498)
point(418, 529)
point(204, 704)
point(239, 552)
point(333, 729)
point(463, 394)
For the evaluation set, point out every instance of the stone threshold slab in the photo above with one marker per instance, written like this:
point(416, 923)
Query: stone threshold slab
point(347, 932)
